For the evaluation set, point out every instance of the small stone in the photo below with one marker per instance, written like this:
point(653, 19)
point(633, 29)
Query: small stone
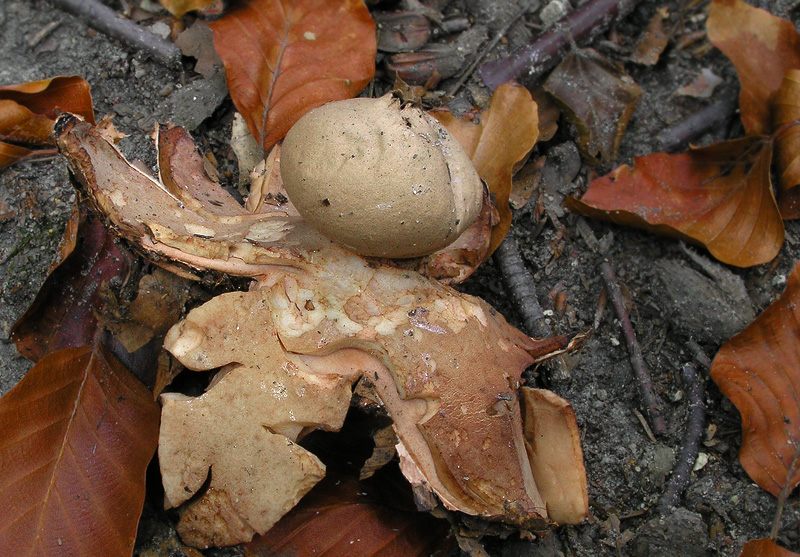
point(680, 533)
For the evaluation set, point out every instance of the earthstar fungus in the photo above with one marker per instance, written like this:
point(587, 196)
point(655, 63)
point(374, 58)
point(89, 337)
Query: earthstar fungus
point(317, 318)
point(380, 178)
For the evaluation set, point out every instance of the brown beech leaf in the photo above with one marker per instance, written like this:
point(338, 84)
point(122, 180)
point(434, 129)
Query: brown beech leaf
point(28, 111)
point(496, 141)
point(785, 114)
point(718, 196)
point(765, 548)
point(342, 516)
point(759, 370)
point(597, 98)
point(9, 154)
point(77, 435)
point(63, 313)
point(284, 57)
point(762, 48)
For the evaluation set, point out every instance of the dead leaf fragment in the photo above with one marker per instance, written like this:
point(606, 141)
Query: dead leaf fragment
point(402, 31)
point(77, 435)
point(702, 86)
point(63, 315)
point(765, 548)
point(597, 98)
point(759, 370)
point(496, 143)
point(762, 48)
point(341, 516)
point(785, 115)
point(180, 7)
point(198, 42)
point(718, 196)
point(426, 66)
point(284, 58)
point(652, 42)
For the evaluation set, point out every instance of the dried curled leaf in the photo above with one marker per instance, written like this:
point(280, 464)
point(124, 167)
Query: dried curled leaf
point(430, 353)
point(785, 115)
point(78, 433)
point(63, 315)
point(28, 111)
point(285, 57)
point(762, 48)
point(497, 143)
point(758, 370)
point(597, 98)
point(652, 42)
point(718, 196)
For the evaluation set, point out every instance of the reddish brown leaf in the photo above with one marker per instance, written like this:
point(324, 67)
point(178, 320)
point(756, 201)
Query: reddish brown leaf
point(28, 111)
point(497, 141)
point(285, 57)
point(786, 112)
point(759, 370)
point(765, 548)
point(762, 48)
point(597, 98)
point(63, 313)
point(10, 154)
point(342, 516)
point(49, 96)
point(719, 196)
point(77, 435)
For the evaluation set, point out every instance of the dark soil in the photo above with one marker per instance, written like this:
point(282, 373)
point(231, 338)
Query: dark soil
point(671, 299)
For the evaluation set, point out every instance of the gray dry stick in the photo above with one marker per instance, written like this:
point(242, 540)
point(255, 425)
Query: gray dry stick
point(531, 61)
point(107, 21)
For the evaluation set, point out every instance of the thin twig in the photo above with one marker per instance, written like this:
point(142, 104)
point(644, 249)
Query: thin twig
point(482, 54)
point(637, 360)
point(544, 52)
point(645, 425)
point(699, 354)
point(107, 21)
point(695, 426)
point(520, 284)
point(682, 133)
